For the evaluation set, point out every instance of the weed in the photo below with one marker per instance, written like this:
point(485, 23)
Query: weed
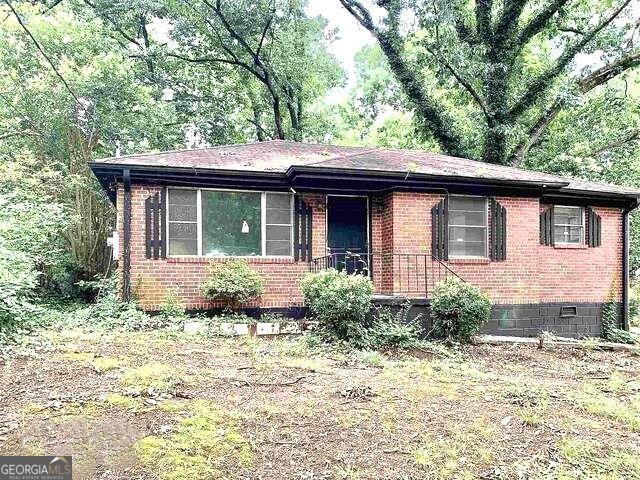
point(348, 472)
point(608, 407)
point(593, 401)
point(532, 416)
point(371, 358)
point(574, 450)
point(105, 364)
point(532, 403)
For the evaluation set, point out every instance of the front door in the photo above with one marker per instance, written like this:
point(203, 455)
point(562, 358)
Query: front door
point(347, 236)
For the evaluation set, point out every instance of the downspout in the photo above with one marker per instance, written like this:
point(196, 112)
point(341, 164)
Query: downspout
point(625, 268)
point(126, 237)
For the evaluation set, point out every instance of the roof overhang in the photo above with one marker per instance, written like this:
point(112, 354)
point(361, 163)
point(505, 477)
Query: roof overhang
point(342, 180)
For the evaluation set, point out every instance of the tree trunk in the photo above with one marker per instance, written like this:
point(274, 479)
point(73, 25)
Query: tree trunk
point(496, 85)
point(277, 117)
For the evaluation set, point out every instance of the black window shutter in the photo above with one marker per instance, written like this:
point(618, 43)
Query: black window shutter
point(440, 230)
point(302, 230)
point(546, 227)
point(498, 236)
point(163, 223)
point(147, 226)
point(593, 226)
point(154, 219)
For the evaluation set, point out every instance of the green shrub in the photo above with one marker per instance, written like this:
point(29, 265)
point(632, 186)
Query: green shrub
point(18, 281)
point(341, 303)
point(458, 310)
point(109, 312)
point(232, 282)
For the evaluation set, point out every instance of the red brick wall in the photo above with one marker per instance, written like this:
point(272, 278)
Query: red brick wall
point(152, 280)
point(401, 224)
point(532, 272)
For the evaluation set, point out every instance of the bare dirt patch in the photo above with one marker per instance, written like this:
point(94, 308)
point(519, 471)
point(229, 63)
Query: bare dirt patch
point(166, 406)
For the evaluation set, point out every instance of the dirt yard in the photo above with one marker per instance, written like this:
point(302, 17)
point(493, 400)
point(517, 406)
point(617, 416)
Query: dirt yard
point(163, 406)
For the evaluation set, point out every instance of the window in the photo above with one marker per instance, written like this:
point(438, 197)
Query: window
point(183, 222)
point(229, 223)
point(568, 224)
point(278, 224)
point(467, 226)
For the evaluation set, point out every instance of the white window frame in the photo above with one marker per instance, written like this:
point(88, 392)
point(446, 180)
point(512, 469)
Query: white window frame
point(485, 226)
point(169, 222)
point(263, 223)
point(581, 216)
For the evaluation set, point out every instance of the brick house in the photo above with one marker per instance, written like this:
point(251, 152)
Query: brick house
point(548, 250)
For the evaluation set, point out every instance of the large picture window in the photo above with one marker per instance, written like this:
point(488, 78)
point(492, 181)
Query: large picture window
point(568, 224)
point(229, 223)
point(467, 226)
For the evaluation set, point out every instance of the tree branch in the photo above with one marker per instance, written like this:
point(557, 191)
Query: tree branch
point(40, 49)
point(264, 32)
point(204, 59)
point(541, 83)
point(570, 30)
point(267, 77)
point(507, 22)
point(536, 25)
point(115, 24)
point(483, 20)
point(461, 80)
point(607, 72)
point(633, 135)
point(584, 85)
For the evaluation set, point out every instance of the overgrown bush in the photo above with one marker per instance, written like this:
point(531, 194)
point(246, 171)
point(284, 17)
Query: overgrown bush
point(458, 310)
point(18, 281)
point(232, 282)
point(172, 306)
point(109, 312)
point(391, 329)
point(341, 303)
point(31, 232)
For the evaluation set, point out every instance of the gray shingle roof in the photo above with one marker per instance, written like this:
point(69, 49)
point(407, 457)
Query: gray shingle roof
point(280, 155)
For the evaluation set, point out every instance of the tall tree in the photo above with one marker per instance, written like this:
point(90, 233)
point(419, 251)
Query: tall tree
point(275, 53)
point(516, 61)
point(68, 93)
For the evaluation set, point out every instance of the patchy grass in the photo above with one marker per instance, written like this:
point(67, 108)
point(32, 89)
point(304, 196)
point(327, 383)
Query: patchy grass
point(121, 401)
point(286, 408)
point(201, 446)
point(99, 364)
point(594, 401)
point(156, 376)
point(459, 454)
point(585, 459)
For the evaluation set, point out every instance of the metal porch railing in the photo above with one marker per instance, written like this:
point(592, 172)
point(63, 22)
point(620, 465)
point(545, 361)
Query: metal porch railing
point(411, 274)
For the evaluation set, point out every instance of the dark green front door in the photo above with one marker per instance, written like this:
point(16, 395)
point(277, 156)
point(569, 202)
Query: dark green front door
point(347, 236)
